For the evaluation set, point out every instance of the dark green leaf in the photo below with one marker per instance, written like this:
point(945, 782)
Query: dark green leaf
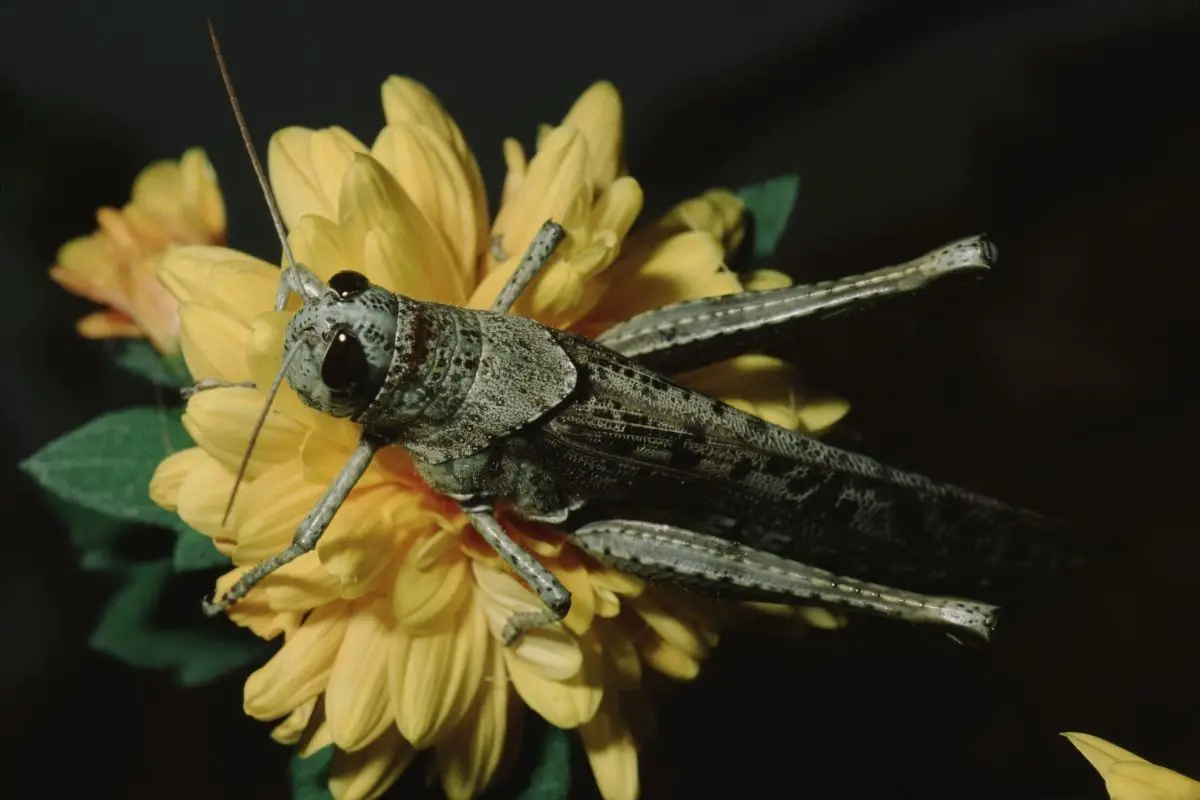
point(310, 776)
point(770, 206)
point(106, 465)
point(139, 357)
point(96, 536)
point(551, 778)
point(131, 630)
point(195, 551)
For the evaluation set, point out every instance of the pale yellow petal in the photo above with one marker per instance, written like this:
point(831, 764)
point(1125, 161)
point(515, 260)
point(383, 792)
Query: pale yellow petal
point(301, 585)
point(222, 420)
point(368, 773)
point(551, 651)
point(268, 510)
point(203, 495)
point(672, 626)
point(435, 677)
point(239, 285)
point(611, 751)
point(598, 115)
point(618, 207)
point(252, 611)
point(214, 343)
point(429, 171)
point(566, 703)
point(681, 267)
point(371, 200)
point(299, 670)
point(1130, 777)
point(356, 697)
point(718, 212)
point(429, 593)
point(170, 474)
point(555, 187)
point(764, 280)
point(469, 757)
point(293, 726)
point(201, 192)
point(668, 659)
point(515, 166)
point(361, 541)
point(306, 169)
point(762, 385)
point(317, 243)
point(819, 414)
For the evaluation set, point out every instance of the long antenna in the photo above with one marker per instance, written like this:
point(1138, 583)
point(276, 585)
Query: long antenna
point(276, 217)
point(291, 273)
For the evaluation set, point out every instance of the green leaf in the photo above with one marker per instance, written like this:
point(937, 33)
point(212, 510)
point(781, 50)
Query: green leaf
point(770, 205)
point(106, 465)
point(96, 536)
point(551, 778)
point(139, 357)
point(195, 551)
point(310, 776)
point(130, 631)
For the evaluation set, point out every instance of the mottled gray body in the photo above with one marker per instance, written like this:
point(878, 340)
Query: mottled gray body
point(653, 477)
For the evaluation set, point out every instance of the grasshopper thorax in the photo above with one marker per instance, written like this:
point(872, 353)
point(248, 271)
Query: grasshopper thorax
point(340, 344)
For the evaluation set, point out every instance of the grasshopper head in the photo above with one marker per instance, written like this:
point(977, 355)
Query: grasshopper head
point(339, 345)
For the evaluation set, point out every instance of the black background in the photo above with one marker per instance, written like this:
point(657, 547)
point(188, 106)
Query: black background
point(1066, 130)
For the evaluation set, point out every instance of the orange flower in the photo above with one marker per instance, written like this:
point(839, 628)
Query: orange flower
point(173, 203)
point(391, 626)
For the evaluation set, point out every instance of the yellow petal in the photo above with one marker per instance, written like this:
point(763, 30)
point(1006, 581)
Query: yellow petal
point(671, 625)
point(597, 114)
point(371, 200)
point(668, 659)
point(368, 773)
point(565, 703)
point(214, 343)
point(430, 593)
point(301, 585)
point(1131, 777)
point(554, 188)
point(239, 285)
point(268, 510)
point(203, 496)
point(356, 697)
point(317, 243)
point(360, 542)
point(468, 759)
point(299, 670)
point(762, 385)
point(253, 613)
point(764, 280)
point(515, 166)
point(170, 474)
point(108, 325)
point(306, 169)
point(435, 677)
point(429, 171)
point(717, 211)
point(681, 267)
point(221, 421)
point(200, 191)
point(550, 652)
point(293, 726)
point(612, 751)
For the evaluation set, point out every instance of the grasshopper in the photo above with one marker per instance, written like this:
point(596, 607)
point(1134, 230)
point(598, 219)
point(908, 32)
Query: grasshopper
point(656, 479)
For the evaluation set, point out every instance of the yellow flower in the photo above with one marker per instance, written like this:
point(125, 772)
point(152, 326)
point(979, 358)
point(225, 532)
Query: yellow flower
point(173, 203)
point(1130, 777)
point(391, 626)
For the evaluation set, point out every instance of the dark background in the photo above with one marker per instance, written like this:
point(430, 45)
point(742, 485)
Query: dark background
point(1063, 381)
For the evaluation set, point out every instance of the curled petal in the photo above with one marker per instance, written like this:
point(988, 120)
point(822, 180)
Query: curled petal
point(717, 211)
point(515, 165)
point(565, 703)
point(300, 670)
point(293, 726)
point(306, 169)
point(367, 773)
point(550, 652)
point(301, 585)
point(429, 593)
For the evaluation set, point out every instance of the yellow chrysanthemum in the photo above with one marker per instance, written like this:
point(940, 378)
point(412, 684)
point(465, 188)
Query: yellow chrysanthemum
point(1131, 777)
point(391, 627)
point(173, 203)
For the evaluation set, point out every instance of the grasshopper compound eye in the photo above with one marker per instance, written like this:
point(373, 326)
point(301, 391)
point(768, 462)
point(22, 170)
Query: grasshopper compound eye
point(348, 283)
point(345, 365)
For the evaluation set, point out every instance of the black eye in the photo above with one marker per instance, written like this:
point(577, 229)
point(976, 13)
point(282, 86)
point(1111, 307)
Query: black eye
point(345, 365)
point(348, 283)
